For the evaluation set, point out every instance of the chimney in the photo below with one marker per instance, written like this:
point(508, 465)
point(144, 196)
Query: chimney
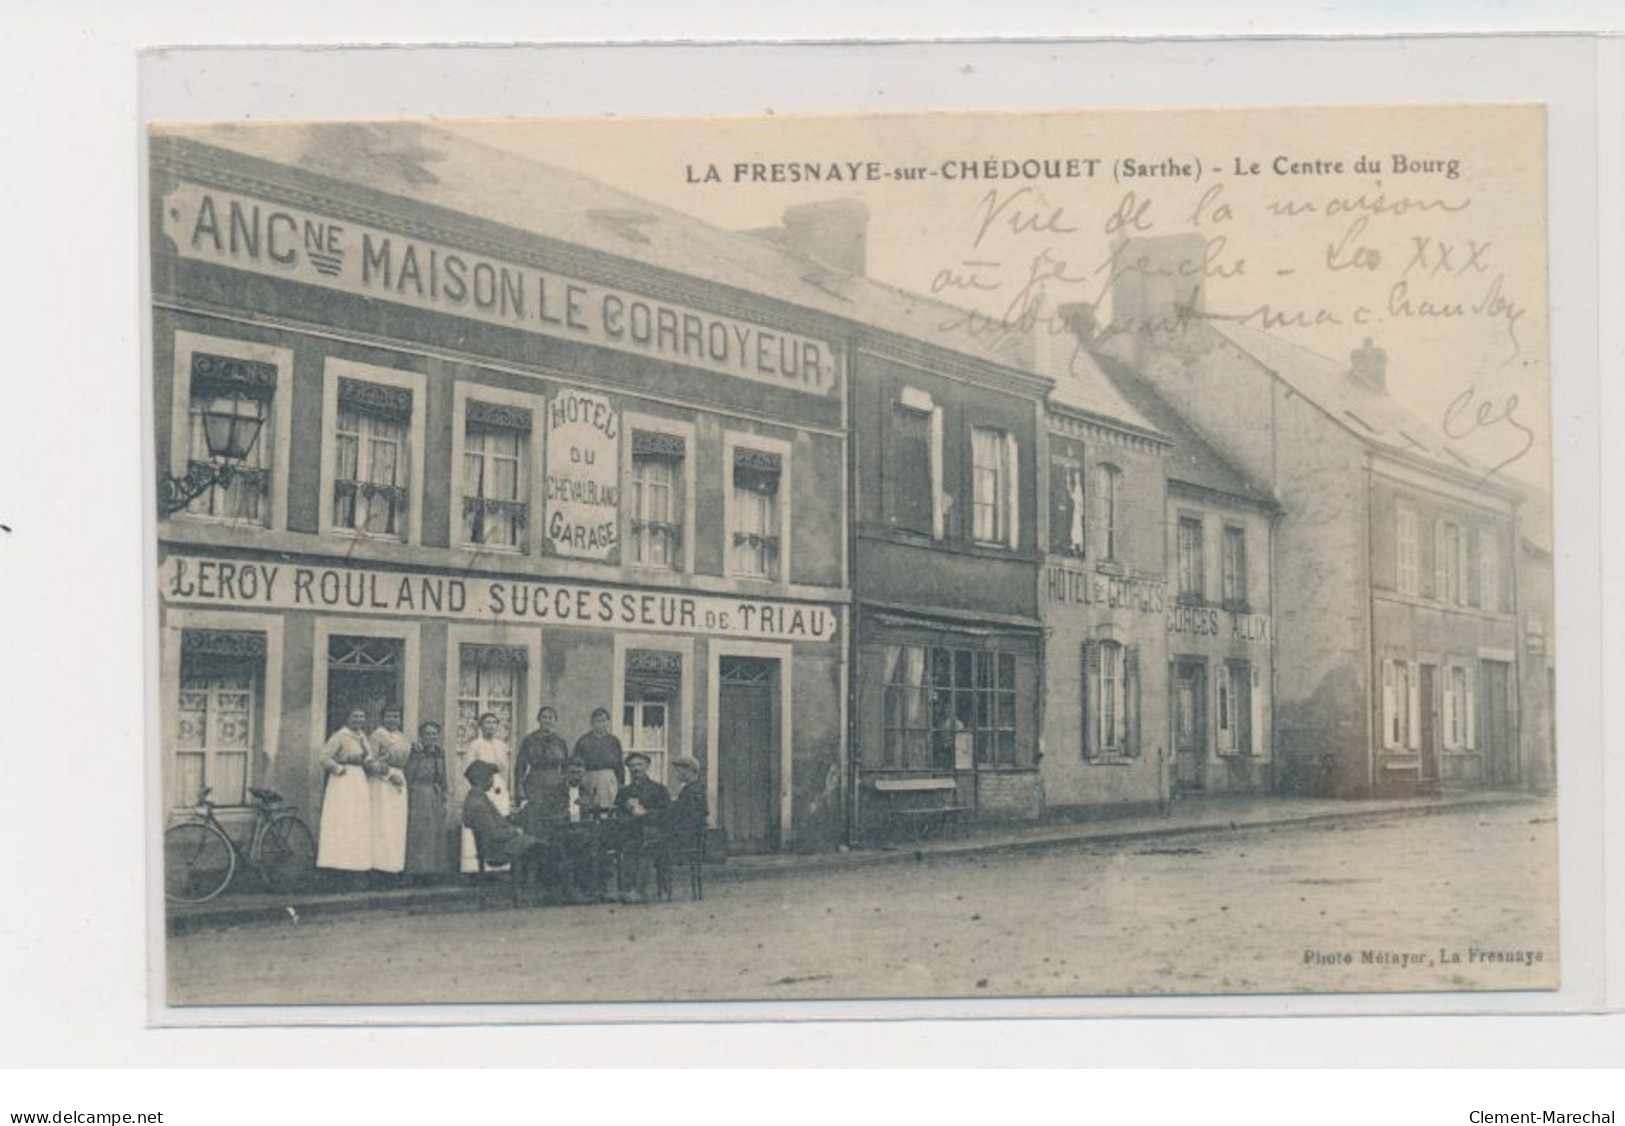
point(1079, 318)
point(1368, 364)
point(833, 232)
point(1159, 282)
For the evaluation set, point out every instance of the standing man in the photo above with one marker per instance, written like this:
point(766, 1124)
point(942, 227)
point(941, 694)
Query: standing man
point(600, 752)
point(542, 755)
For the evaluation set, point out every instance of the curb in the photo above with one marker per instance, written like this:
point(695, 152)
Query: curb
point(462, 897)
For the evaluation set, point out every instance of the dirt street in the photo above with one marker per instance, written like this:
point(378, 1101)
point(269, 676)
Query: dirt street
point(1458, 900)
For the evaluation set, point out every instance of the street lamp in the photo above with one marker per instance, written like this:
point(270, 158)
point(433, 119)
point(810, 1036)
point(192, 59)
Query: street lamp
point(231, 426)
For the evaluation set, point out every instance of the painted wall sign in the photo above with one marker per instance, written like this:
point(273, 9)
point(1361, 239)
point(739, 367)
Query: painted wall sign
point(583, 476)
point(246, 233)
point(1083, 588)
point(1206, 621)
point(193, 580)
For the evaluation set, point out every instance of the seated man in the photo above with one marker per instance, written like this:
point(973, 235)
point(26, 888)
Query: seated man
point(642, 804)
point(499, 840)
point(685, 819)
point(559, 813)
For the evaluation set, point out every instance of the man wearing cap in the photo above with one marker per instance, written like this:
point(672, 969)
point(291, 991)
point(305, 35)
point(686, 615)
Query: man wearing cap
point(500, 842)
point(559, 816)
point(642, 804)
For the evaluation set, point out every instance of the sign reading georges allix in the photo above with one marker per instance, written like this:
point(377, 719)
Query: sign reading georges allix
point(979, 555)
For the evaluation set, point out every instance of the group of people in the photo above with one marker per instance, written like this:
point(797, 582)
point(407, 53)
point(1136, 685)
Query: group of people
point(569, 811)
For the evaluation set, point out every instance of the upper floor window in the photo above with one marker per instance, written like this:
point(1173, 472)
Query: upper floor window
point(1235, 567)
point(1068, 514)
point(1192, 574)
point(1489, 570)
point(496, 506)
point(1407, 550)
point(371, 460)
point(911, 468)
point(1450, 563)
point(993, 487)
point(755, 512)
point(657, 499)
point(372, 454)
point(1111, 489)
point(248, 387)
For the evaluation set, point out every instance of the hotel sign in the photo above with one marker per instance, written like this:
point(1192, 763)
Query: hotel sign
point(262, 237)
point(583, 476)
point(244, 585)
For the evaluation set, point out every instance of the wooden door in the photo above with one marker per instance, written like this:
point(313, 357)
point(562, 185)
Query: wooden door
point(1495, 723)
point(1190, 726)
point(1427, 714)
point(748, 755)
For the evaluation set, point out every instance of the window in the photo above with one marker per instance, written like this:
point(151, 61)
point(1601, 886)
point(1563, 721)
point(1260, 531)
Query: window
point(657, 499)
point(947, 708)
point(1111, 488)
point(215, 381)
point(1489, 570)
point(496, 508)
point(1236, 712)
point(1407, 565)
point(1192, 579)
point(490, 678)
point(1111, 699)
point(755, 513)
point(1068, 512)
point(372, 458)
point(217, 726)
point(1450, 564)
point(1234, 568)
point(993, 487)
point(1458, 709)
point(910, 492)
point(1400, 702)
point(649, 707)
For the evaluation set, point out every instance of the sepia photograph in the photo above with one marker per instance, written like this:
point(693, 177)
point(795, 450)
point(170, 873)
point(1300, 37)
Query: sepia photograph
point(1061, 554)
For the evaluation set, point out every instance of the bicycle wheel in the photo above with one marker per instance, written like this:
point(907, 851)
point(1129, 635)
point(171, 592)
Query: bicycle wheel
point(198, 862)
point(285, 854)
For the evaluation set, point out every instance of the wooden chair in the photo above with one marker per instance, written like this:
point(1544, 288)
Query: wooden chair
point(516, 872)
point(675, 852)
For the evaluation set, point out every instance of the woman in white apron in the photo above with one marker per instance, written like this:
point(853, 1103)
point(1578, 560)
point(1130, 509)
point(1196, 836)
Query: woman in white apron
point(346, 837)
point(387, 789)
point(485, 747)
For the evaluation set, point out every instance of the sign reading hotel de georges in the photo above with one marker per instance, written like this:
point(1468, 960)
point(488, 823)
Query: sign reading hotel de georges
point(246, 233)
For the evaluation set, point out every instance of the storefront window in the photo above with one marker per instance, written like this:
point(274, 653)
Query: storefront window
point(495, 508)
point(948, 709)
point(653, 680)
point(1111, 699)
point(217, 719)
point(490, 678)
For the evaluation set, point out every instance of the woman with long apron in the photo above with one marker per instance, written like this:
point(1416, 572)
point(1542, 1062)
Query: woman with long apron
point(387, 788)
point(346, 834)
point(485, 747)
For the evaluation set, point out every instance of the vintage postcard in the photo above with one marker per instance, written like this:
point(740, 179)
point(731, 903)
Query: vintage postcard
point(1057, 554)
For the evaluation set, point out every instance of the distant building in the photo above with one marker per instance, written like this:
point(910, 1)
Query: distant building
point(1397, 644)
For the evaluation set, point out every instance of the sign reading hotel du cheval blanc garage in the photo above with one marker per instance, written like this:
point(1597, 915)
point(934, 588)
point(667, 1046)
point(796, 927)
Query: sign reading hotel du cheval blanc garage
point(244, 232)
point(583, 476)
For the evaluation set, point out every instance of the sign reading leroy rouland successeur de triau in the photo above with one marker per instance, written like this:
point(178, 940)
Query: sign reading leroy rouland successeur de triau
point(268, 238)
point(195, 580)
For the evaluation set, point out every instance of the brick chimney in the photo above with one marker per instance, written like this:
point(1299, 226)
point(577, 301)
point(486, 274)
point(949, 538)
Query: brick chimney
point(1159, 281)
point(1368, 365)
point(833, 232)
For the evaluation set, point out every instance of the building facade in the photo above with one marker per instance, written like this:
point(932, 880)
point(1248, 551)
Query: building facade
point(500, 468)
point(1395, 603)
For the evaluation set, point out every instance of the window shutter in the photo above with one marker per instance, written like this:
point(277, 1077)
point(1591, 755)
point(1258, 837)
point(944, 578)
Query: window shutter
point(1472, 709)
point(1091, 689)
point(1131, 697)
point(1441, 563)
point(1451, 741)
point(1388, 740)
point(1414, 718)
point(939, 501)
point(1012, 490)
point(1256, 698)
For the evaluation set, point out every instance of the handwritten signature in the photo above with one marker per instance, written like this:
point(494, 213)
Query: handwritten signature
point(1468, 414)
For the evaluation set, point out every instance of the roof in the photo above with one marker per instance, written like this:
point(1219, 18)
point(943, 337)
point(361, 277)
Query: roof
point(1192, 461)
point(1373, 417)
point(430, 165)
point(1082, 387)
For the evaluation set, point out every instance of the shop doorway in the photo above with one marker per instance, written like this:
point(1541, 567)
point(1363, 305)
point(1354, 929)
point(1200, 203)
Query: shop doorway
point(1495, 724)
point(748, 753)
point(365, 673)
point(1190, 725)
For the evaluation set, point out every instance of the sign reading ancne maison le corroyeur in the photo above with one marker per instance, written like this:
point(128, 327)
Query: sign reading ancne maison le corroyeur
point(231, 229)
point(240, 584)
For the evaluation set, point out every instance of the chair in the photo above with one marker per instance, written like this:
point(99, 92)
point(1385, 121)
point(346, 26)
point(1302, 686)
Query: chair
point(516, 871)
point(676, 851)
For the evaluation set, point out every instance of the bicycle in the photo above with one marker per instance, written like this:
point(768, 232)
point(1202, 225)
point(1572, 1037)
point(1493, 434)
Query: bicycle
point(200, 857)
